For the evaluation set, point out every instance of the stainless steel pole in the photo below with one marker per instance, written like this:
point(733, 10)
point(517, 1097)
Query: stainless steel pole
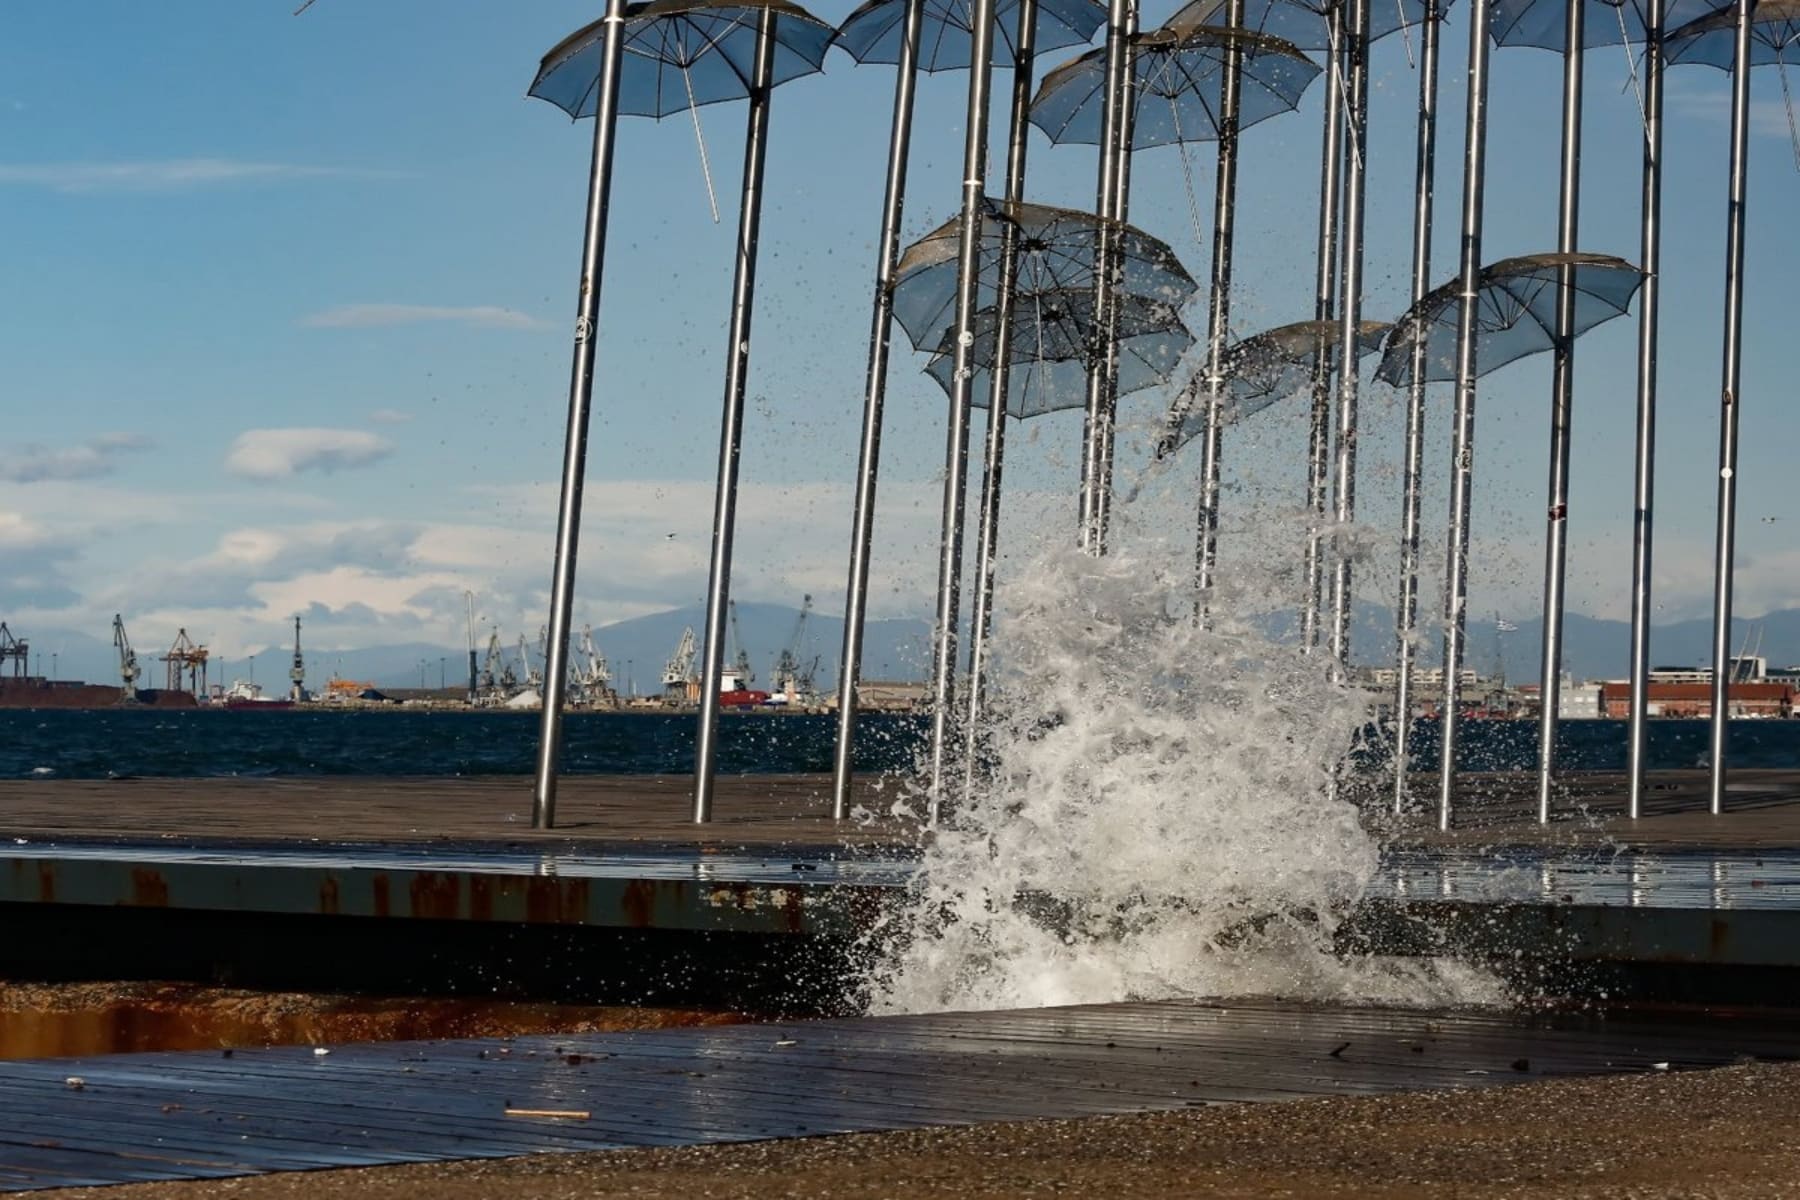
point(1318, 447)
point(1456, 570)
point(1644, 482)
point(1094, 435)
point(1350, 281)
point(1121, 211)
point(956, 451)
point(1413, 465)
point(1562, 399)
point(737, 374)
point(581, 396)
point(1729, 401)
point(999, 380)
point(1218, 326)
point(868, 464)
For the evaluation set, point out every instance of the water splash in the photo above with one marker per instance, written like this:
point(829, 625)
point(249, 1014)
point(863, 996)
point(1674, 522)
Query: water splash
point(1161, 819)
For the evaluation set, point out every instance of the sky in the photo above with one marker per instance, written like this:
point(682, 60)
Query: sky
point(285, 328)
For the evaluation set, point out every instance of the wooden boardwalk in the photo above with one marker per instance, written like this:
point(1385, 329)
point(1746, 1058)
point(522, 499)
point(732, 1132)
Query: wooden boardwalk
point(767, 812)
point(208, 1115)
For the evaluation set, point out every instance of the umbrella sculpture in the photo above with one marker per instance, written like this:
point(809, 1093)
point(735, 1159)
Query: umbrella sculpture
point(1053, 249)
point(1263, 369)
point(1514, 308)
point(1191, 83)
point(913, 35)
point(1320, 25)
point(1752, 33)
point(1563, 26)
point(655, 59)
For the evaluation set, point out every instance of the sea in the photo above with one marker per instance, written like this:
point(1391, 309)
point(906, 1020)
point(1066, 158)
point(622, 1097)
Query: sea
point(121, 743)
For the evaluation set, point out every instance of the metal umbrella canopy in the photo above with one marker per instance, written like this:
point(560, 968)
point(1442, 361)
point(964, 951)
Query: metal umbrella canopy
point(1750, 34)
point(1516, 301)
point(655, 59)
point(1052, 340)
point(933, 35)
point(876, 32)
point(1058, 250)
point(1262, 370)
point(1189, 83)
point(1517, 307)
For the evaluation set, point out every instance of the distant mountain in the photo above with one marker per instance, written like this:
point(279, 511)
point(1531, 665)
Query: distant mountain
point(900, 648)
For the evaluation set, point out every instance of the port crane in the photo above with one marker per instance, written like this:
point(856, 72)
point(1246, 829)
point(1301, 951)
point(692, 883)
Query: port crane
point(15, 651)
point(186, 657)
point(740, 665)
point(493, 668)
point(678, 672)
point(794, 675)
point(592, 675)
point(128, 663)
point(297, 672)
point(533, 678)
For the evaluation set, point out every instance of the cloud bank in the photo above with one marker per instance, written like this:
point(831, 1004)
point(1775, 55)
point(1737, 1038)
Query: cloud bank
point(284, 453)
point(378, 316)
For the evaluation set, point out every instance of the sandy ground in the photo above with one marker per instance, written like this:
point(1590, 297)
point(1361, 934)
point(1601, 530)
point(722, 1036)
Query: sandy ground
point(1733, 1132)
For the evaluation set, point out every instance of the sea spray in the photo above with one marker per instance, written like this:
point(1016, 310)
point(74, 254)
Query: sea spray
point(1157, 818)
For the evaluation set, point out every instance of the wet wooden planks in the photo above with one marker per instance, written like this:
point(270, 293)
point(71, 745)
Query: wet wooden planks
point(192, 1115)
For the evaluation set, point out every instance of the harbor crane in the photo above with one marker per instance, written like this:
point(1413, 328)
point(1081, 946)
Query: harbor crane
point(593, 678)
point(493, 667)
point(532, 677)
point(793, 673)
point(740, 665)
point(15, 651)
point(186, 657)
point(128, 663)
point(297, 673)
point(678, 672)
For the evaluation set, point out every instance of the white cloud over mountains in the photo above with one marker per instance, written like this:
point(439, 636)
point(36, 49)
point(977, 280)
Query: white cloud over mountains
point(377, 316)
point(165, 175)
point(284, 453)
point(87, 460)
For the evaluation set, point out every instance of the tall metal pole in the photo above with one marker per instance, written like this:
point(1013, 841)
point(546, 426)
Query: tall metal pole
point(1094, 433)
point(999, 380)
point(1456, 570)
point(956, 450)
point(1413, 465)
point(737, 373)
point(1644, 482)
point(1731, 371)
point(1562, 397)
point(1350, 280)
point(581, 397)
point(868, 465)
point(1318, 447)
point(1218, 326)
point(1121, 211)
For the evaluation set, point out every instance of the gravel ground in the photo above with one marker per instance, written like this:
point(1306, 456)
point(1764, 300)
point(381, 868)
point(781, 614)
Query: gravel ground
point(1733, 1132)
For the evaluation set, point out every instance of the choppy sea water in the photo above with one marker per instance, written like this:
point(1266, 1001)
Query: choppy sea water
point(98, 744)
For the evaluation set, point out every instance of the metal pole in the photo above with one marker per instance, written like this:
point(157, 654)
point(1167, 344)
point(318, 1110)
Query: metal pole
point(1731, 372)
point(581, 397)
point(1644, 483)
point(956, 449)
point(1218, 326)
point(1318, 448)
point(1094, 435)
point(868, 465)
point(737, 372)
point(1456, 569)
point(1412, 470)
point(1121, 211)
point(999, 379)
point(1562, 396)
point(1350, 283)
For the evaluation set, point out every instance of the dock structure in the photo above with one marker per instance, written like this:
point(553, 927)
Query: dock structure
point(197, 1115)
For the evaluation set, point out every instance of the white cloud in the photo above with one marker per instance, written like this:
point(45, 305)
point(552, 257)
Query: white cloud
point(376, 316)
point(1767, 117)
point(94, 457)
point(389, 416)
point(168, 175)
point(20, 532)
point(280, 453)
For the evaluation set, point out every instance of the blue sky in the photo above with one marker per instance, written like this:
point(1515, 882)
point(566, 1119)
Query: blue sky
point(285, 323)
